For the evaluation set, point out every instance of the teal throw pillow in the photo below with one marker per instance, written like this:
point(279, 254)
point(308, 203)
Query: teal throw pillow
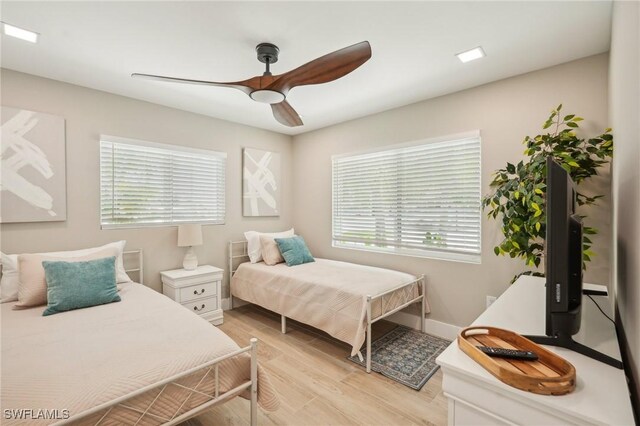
point(294, 250)
point(74, 285)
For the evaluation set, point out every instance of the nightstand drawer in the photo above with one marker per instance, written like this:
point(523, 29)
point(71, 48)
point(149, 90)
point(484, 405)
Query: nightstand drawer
point(202, 306)
point(198, 291)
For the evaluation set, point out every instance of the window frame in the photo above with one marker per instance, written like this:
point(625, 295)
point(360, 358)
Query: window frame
point(172, 147)
point(473, 258)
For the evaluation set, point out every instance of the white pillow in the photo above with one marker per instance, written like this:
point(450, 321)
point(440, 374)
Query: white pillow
point(254, 249)
point(121, 275)
point(9, 283)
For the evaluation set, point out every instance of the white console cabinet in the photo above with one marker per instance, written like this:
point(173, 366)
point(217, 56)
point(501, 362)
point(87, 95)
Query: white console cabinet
point(476, 397)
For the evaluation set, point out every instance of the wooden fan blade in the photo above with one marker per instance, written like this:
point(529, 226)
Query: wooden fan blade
point(246, 86)
point(285, 114)
point(324, 69)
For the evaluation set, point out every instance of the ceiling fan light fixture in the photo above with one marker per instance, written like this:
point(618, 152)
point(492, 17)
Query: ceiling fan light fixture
point(267, 96)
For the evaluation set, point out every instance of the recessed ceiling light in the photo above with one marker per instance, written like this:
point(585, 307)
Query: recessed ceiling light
point(471, 55)
point(20, 33)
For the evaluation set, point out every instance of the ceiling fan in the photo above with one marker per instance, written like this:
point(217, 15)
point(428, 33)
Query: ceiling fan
point(273, 89)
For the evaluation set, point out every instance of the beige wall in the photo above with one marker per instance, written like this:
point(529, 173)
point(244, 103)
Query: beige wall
point(89, 113)
point(625, 118)
point(504, 111)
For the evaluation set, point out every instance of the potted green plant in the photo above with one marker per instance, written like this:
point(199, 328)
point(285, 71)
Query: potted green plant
point(519, 190)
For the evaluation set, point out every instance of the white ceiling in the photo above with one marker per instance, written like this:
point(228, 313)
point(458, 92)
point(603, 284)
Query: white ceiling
point(99, 44)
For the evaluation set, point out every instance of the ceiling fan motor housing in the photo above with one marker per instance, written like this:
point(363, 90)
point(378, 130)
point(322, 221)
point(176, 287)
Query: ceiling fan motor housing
point(267, 52)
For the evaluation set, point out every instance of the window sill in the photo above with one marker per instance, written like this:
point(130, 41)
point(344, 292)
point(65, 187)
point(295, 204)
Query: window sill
point(425, 254)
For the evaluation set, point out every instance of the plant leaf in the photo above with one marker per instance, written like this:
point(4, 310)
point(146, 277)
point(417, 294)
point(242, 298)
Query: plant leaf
point(518, 199)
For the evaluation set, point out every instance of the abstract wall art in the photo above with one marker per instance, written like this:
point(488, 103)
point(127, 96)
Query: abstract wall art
point(32, 167)
point(260, 183)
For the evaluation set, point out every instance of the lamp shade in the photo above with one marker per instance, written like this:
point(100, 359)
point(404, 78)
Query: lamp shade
point(189, 235)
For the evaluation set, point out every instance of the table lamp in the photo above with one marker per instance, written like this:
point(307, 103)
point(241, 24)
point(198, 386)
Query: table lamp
point(189, 236)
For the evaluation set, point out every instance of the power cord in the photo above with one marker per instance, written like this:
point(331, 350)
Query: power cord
point(600, 309)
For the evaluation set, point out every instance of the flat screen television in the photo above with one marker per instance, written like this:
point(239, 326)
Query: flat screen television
point(563, 266)
point(563, 260)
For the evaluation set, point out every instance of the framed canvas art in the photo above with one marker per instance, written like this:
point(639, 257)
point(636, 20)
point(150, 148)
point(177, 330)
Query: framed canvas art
point(33, 176)
point(260, 183)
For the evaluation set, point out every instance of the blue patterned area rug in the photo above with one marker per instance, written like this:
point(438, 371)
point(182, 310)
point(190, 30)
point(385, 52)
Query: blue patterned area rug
point(405, 355)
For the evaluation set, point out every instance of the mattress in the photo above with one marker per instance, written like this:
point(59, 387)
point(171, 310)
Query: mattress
point(77, 360)
point(326, 294)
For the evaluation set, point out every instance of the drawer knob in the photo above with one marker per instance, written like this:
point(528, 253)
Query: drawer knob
point(195, 308)
point(196, 292)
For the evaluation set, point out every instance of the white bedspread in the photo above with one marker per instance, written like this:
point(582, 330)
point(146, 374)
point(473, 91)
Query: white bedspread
point(77, 360)
point(325, 294)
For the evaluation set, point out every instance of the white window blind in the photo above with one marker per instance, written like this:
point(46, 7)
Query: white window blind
point(146, 184)
point(421, 199)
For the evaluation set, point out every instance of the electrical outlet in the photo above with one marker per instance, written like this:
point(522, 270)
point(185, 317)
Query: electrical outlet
point(490, 300)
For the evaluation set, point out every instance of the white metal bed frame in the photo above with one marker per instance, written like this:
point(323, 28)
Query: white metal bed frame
point(209, 367)
point(370, 299)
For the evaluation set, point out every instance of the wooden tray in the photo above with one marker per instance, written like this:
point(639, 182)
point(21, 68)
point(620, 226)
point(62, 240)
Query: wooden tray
point(549, 375)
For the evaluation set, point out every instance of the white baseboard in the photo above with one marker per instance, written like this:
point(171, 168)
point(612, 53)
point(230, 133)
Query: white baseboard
point(433, 327)
point(406, 319)
point(442, 329)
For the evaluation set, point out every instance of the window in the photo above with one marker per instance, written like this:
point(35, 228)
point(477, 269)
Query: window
point(420, 199)
point(147, 184)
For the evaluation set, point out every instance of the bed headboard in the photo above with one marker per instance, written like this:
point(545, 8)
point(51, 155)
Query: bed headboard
point(134, 263)
point(237, 250)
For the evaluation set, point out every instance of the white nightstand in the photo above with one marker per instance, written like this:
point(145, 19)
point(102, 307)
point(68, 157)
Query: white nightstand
point(198, 290)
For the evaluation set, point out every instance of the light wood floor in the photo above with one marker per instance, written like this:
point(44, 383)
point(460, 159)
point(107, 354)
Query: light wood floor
point(317, 384)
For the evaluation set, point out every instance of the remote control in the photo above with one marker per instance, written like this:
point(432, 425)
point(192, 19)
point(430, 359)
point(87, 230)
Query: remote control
point(508, 353)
